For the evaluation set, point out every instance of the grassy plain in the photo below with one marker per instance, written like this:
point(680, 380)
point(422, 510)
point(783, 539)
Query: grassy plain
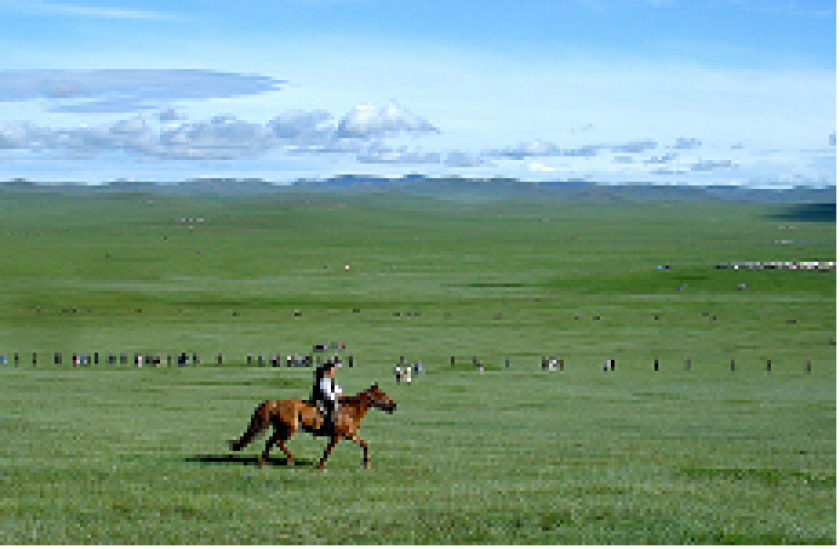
point(110, 454)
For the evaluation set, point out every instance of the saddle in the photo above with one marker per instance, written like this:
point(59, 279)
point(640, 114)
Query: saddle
point(321, 410)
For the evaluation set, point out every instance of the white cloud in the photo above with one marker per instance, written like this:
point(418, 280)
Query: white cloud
point(540, 167)
point(397, 156)
point(126, 90)
point(371, 121)
point(23, 135)
point(331, 145)
point(301, 125)
point(527, 149)
point(223, 137)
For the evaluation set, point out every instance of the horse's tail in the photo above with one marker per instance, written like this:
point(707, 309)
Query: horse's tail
point(259, 422)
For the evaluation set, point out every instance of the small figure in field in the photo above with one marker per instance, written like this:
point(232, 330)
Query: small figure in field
point(408, 374)
point(325, 393)
point(398, 372)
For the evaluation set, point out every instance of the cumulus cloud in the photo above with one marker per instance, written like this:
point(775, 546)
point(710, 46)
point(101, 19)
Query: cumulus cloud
point(366, 121)
point(125, 135)
point(301, 124)
point(126, 90)
point(221, 137)
point(686, 143)
point(25, 135)
point(169, 135)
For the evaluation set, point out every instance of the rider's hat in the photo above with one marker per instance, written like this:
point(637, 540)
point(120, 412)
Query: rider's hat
point(321, 370)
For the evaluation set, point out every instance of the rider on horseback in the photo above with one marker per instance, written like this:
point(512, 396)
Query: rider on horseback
point(326, 393)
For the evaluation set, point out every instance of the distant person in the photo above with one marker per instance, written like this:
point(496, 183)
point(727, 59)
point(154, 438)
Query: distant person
point(398, 372)
point(408, 374)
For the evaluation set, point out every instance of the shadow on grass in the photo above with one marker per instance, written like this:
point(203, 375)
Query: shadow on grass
point(253, 461)
point(824, 212)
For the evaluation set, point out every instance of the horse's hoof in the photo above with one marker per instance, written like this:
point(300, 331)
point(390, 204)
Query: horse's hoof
point(367, 465)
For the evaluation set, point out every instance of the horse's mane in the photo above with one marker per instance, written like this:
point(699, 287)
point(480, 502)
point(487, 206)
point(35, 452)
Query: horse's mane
point(360, 396)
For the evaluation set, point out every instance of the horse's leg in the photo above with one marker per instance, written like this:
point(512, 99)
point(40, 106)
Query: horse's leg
point(290, 459)
point(287, 434)
point(333, 441)
point(360, 442)
point(275, 436)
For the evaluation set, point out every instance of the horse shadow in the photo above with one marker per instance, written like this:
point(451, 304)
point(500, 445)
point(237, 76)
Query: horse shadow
point(208, 459)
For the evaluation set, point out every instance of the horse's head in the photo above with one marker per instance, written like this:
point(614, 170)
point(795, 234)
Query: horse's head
point(380, 400)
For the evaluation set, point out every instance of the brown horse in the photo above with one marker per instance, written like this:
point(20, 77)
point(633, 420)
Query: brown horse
point(287, 416)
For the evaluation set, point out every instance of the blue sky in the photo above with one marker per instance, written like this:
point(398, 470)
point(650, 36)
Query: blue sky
point(683, 91)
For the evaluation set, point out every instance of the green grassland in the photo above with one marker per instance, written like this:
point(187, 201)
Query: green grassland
point(112, 454)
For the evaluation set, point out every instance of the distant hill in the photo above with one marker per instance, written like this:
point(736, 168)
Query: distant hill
point(450, 188)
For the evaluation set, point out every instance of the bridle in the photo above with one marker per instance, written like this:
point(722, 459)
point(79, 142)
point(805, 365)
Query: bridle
point(373, 401)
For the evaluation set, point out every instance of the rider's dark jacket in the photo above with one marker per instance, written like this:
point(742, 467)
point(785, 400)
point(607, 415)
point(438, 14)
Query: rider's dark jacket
point(318, 393)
